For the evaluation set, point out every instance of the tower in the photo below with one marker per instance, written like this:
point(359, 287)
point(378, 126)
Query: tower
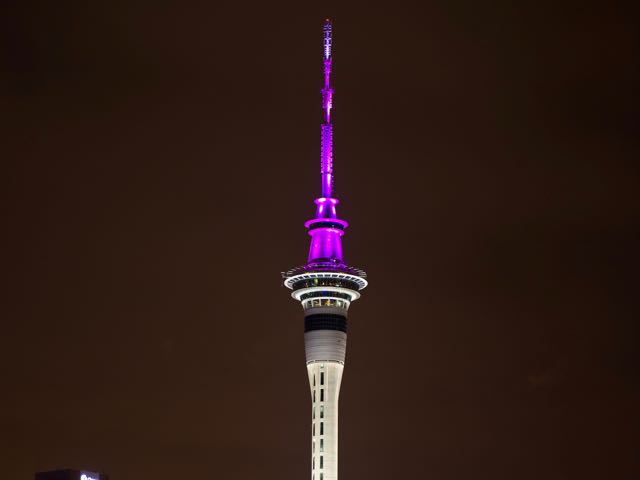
point(325, 286)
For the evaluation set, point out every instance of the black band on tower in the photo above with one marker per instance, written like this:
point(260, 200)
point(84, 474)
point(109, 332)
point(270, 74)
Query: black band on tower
point(325, 224)
point(325, 321)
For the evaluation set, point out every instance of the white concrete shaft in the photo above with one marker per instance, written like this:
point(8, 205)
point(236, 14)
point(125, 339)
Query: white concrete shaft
point(325, 345)
point(324, 380)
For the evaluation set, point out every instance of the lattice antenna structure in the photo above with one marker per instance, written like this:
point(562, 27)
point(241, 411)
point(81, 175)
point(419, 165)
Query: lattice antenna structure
point(326, 139)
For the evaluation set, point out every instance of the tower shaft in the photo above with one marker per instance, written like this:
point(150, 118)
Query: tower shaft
point(324, 380)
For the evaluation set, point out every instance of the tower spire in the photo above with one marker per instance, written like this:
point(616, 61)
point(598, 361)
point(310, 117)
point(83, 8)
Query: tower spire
point(326, 148)
point(326, 229)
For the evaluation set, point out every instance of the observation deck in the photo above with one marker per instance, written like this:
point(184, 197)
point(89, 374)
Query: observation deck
point(324, 285)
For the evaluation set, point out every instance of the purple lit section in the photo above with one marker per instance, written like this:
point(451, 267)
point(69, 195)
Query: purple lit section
point(326, 212)
point(326, 160)
point(326, 244)
point(326, 136)
point(326, 139)
point(327, 93)
point(326, 229)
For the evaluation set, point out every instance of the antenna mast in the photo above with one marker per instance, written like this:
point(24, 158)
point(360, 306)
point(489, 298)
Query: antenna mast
point(326, 146)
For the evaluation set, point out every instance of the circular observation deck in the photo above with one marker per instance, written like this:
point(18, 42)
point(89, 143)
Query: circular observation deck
point(330, 284)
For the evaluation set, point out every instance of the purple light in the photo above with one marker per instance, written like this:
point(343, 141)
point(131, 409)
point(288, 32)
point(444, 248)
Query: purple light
point(325, 244)
point(326, 159)
point(326, 240)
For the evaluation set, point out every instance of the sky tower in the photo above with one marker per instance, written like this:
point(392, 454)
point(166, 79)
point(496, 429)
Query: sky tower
point(325, 286)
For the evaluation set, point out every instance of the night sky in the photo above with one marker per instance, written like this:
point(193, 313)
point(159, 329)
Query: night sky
point(160, 159)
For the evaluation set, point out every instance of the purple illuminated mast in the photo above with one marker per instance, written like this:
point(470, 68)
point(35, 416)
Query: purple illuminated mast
point(325, 286)
point(326, 149)
point(326, 229)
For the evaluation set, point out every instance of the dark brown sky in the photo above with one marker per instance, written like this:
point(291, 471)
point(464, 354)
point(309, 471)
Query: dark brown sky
point(160, 160)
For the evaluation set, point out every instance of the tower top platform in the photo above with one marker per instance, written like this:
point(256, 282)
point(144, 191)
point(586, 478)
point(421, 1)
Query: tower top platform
point(321, 267)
